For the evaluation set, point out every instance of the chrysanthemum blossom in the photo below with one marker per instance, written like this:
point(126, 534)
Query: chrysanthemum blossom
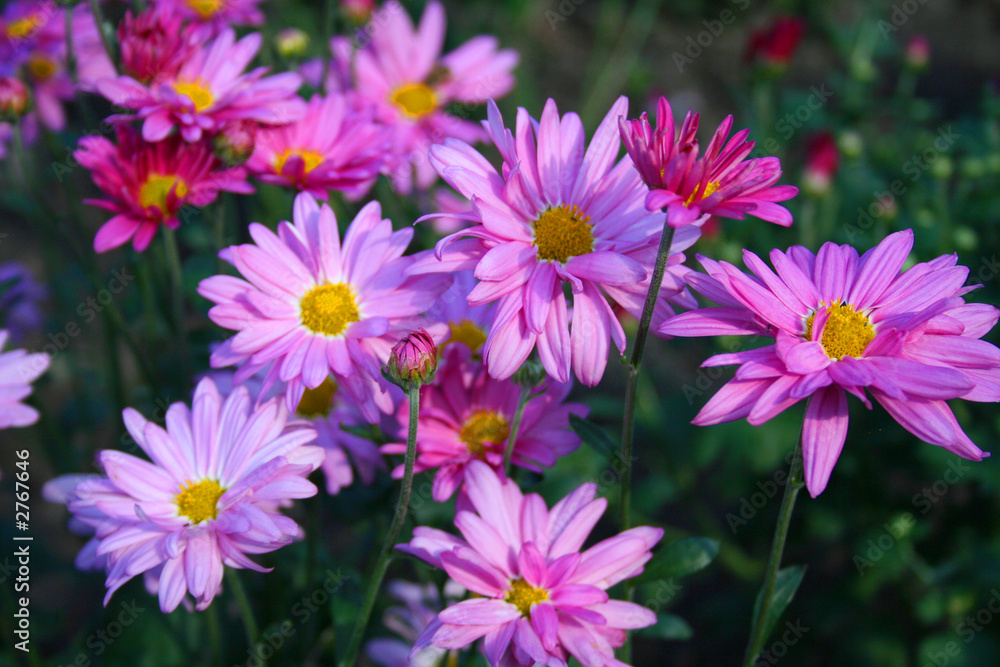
point(538, 598)
point(332, 147)
point(843, 324)
point(146, 184)
point(309, 307)
point(205, 500)
point(466, 416)
point(155, 44)
point(556, 213)
point(722, 181)
point(468, 326)
point(209, 90)
point(401, 73)
point(422, 604)
point(18, 369)
point(216, 14)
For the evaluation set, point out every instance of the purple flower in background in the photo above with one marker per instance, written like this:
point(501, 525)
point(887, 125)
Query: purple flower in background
point(20, 295)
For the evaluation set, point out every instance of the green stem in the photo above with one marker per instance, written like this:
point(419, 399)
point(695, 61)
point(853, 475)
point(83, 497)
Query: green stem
point(70, 55)
point(522, 400)
point(109, 47)
point(246, 611)
point(758, 634)
point(402, 506)
point(214, 635)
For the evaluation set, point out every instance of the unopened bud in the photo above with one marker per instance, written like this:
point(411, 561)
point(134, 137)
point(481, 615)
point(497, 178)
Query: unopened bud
point(358, 11)
point(15, 99)
point(234, 144)
point(529, 375)
point(413, 361)
point(291, 42)
point(918, 53)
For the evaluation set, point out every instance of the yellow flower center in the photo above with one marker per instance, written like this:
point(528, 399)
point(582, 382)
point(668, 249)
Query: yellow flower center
point(41, 68)
point(199, 501)
point(206, 9)
point(466, 332)
point(24, 27)
point(709, 190)
point(483, 426)
point(415, 99)
point(847, 332)
point(319, 401)
point(523, 596)
point(328, 309)
point(197, 92)
point(157, 187)
point(563, 232)
point(312, 159)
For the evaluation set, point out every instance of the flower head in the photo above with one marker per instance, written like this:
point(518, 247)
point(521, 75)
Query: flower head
point(822, 162)
point(18, 369)
point(538, 599)
point(147, 184)
point(776, 44)
point(721, 182)
point(555, 214)
point(205, 500)
point(155, 44)
point(216, 14)
point(309, 306)
point(20, 296)
point(208, 91)
point(843, 324)
point(15, 99)
point(420, 606)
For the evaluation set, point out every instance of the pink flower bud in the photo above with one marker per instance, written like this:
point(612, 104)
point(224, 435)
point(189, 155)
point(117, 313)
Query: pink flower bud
point(358, 11)
point(291, 42)
point(822, 161)
point(234, 143)
point(15, 99)
point(918, 52)
point(413, 361)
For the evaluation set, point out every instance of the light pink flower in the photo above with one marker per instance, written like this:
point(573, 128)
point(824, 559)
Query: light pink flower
point(310, 307)
point(146, 184)
point(18, 369)
point(332, 147)
point(721, 182)
point(555, 214)
point(216, 14)
point(209, 90)
point(539, 599)
point(843, 324)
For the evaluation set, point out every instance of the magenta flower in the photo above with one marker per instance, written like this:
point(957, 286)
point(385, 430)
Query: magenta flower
point(208, 497)
point(402, 74)
point(147, 184)
point(155, 44)
point(18, 369)
point(555, 214)
point(208, 91)
point(466, 416)
point(721, 182)
point(332, 147)
point(310, 307)
point(843, 324)
point(216, 14)
point(539, 599)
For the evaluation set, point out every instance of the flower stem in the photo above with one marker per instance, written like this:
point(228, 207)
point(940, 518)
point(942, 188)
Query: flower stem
point(109, 47)
point(246, 611)
point(402, 506)
point(522, 400)
point(758, 634)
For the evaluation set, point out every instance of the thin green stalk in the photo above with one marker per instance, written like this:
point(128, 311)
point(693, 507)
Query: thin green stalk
point(109, 47)
point(522, 400)
point(758, 634)
point(246, 611)
point(214, 635)
point(402, 506)
point(70, 55)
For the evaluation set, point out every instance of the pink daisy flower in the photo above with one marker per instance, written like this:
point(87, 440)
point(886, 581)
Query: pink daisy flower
point(402, 74)
point(466, 416)
point(310, 307)
point(554, 214)
point(539, 599)
point(332, 147)
point(208, 91)
point(207, 498)
point(18, 369)
point(216, 14)
point(154, 44)
point(721, 182)
point(843, 324)
point(147, 184)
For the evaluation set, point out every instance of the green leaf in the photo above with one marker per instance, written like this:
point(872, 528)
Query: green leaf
point(593, 435)
point(669, 627)
point(785, 585)
point(679, 559)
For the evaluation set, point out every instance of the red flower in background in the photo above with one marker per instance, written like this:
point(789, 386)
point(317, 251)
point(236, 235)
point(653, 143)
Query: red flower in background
point(776, 44)
point(822, 162)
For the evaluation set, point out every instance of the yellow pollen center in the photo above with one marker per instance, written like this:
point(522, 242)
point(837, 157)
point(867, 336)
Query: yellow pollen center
point(709, 191)
point(157, 187)
point(196, 92)
point(199, 501)
point(312, 159)
point(523, 596)
point(206, 9)
point(319, 401)
point(466, 332)
point(415, 99)
point(847, 332)
point(24, 27)
point(328, 309)
point(563, 232)
point(41, 68)
point(483, 426)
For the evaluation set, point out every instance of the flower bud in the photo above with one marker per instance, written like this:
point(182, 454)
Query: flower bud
point(234, 143)
point(154, 44)
point(413, 361)
point(822, 161)
point(918, 53)
point(291, 42)
point(358, 11)
point(529, 375)
point(15, 99)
